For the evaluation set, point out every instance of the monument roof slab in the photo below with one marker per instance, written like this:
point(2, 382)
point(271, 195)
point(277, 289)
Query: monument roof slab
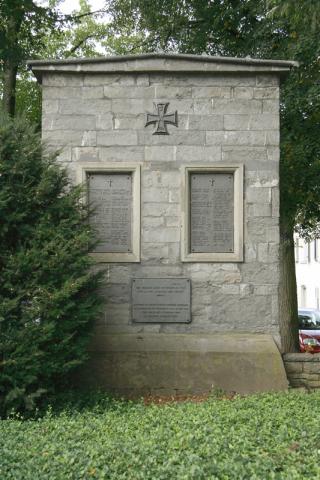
point(161, 62)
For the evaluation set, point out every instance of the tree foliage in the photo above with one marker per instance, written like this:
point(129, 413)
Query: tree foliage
point(23, 26)
point(29, 30)
point(48, 296)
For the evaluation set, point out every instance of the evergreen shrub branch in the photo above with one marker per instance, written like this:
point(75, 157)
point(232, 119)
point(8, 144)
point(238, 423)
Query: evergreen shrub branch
point(48, 288)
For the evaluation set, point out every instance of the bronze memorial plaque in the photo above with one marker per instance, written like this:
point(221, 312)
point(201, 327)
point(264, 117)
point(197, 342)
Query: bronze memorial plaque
point(211, 212)
point(161, 300)
point(110, 197)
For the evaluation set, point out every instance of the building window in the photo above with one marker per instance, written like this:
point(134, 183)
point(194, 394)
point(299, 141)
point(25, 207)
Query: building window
point(304, 254)
point(296, 249)
point(317, 297)
point(317, 249)
point(303, 296)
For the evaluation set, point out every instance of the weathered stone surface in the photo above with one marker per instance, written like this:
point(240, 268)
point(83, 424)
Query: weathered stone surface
point(119, 137)
point(143, 79)
point(73, 92)
point(85, 154)
point(72, 106)
point(161, 210)
point(149, 253)
point(117, 293)
point(230, 289)
point(275, 212)
point(230, 117)
point(202, 106)
point(129, 106)
point(203, 154)
point(203, 80)
point(49, 107)
point(212, 92)
point(161, 153)
point(273, 153)
point(266, 92)
point(258, 195)
point(262, 179)
point(63, 137)
point(162, 235)
point(157, 194)
point(69, 122)
point(272, 234)
point(158, 178)
point(89, 138)
point(227, 106)
point(260, 210)
point(304, 377)
point(176, 138)
point(251, 138)
point(204, 122)
point(272, 138)
point(301, 357)
point(125, 92)
point(125, 153)
point(243, 92)
point(313, 385)
point(104, 121)
point(151, 222)
point(265, 289)
point(251, 122)
point(169, 92)
point(246, 154)
point(268, 253)
point(57, 80)
point(260, 273)
point(311, 368)
point(270, 106)
point(129, 122)
point(64, 154)
point(189, 363)
point(117, 314)
point(267, 80)
point(109, 79)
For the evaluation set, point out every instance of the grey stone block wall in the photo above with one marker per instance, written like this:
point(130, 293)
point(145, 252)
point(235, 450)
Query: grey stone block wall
point(226, 118)
point(303, 370)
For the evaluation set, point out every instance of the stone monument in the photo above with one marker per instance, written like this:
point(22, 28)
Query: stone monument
point(180, 154)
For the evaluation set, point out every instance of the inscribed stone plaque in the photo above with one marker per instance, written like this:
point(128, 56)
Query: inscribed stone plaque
point(110, 196)
point(211, 212)
point(161, 300)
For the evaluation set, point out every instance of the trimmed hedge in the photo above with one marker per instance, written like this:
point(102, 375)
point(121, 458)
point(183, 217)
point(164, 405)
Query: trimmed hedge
point(271, 436)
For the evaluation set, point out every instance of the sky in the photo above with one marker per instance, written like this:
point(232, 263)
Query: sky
point(67, 6)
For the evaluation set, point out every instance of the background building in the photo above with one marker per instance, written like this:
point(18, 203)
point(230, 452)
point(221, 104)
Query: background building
point(307, 256)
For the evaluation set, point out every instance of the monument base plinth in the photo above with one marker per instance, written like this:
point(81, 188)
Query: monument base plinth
point(175, 364)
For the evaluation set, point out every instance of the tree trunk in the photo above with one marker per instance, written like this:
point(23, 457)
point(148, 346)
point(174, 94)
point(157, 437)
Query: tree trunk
point(289, 329)
point(12, 55)
point(9, 87)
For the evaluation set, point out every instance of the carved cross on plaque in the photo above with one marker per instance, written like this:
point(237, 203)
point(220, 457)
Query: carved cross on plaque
point(162, 118)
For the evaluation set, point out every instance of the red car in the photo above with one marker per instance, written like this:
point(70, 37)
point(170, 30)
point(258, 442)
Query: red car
point(309, 330)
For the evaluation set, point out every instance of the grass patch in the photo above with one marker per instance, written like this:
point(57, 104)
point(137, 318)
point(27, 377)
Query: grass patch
point(270, 436)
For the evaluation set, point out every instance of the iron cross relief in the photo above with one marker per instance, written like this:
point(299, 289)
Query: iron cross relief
point(162, 118)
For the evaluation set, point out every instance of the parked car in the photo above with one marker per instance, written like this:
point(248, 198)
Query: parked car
point(309, 330)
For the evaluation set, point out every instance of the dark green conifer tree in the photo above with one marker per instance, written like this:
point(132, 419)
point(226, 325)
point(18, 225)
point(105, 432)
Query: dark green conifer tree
point(48, 290)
